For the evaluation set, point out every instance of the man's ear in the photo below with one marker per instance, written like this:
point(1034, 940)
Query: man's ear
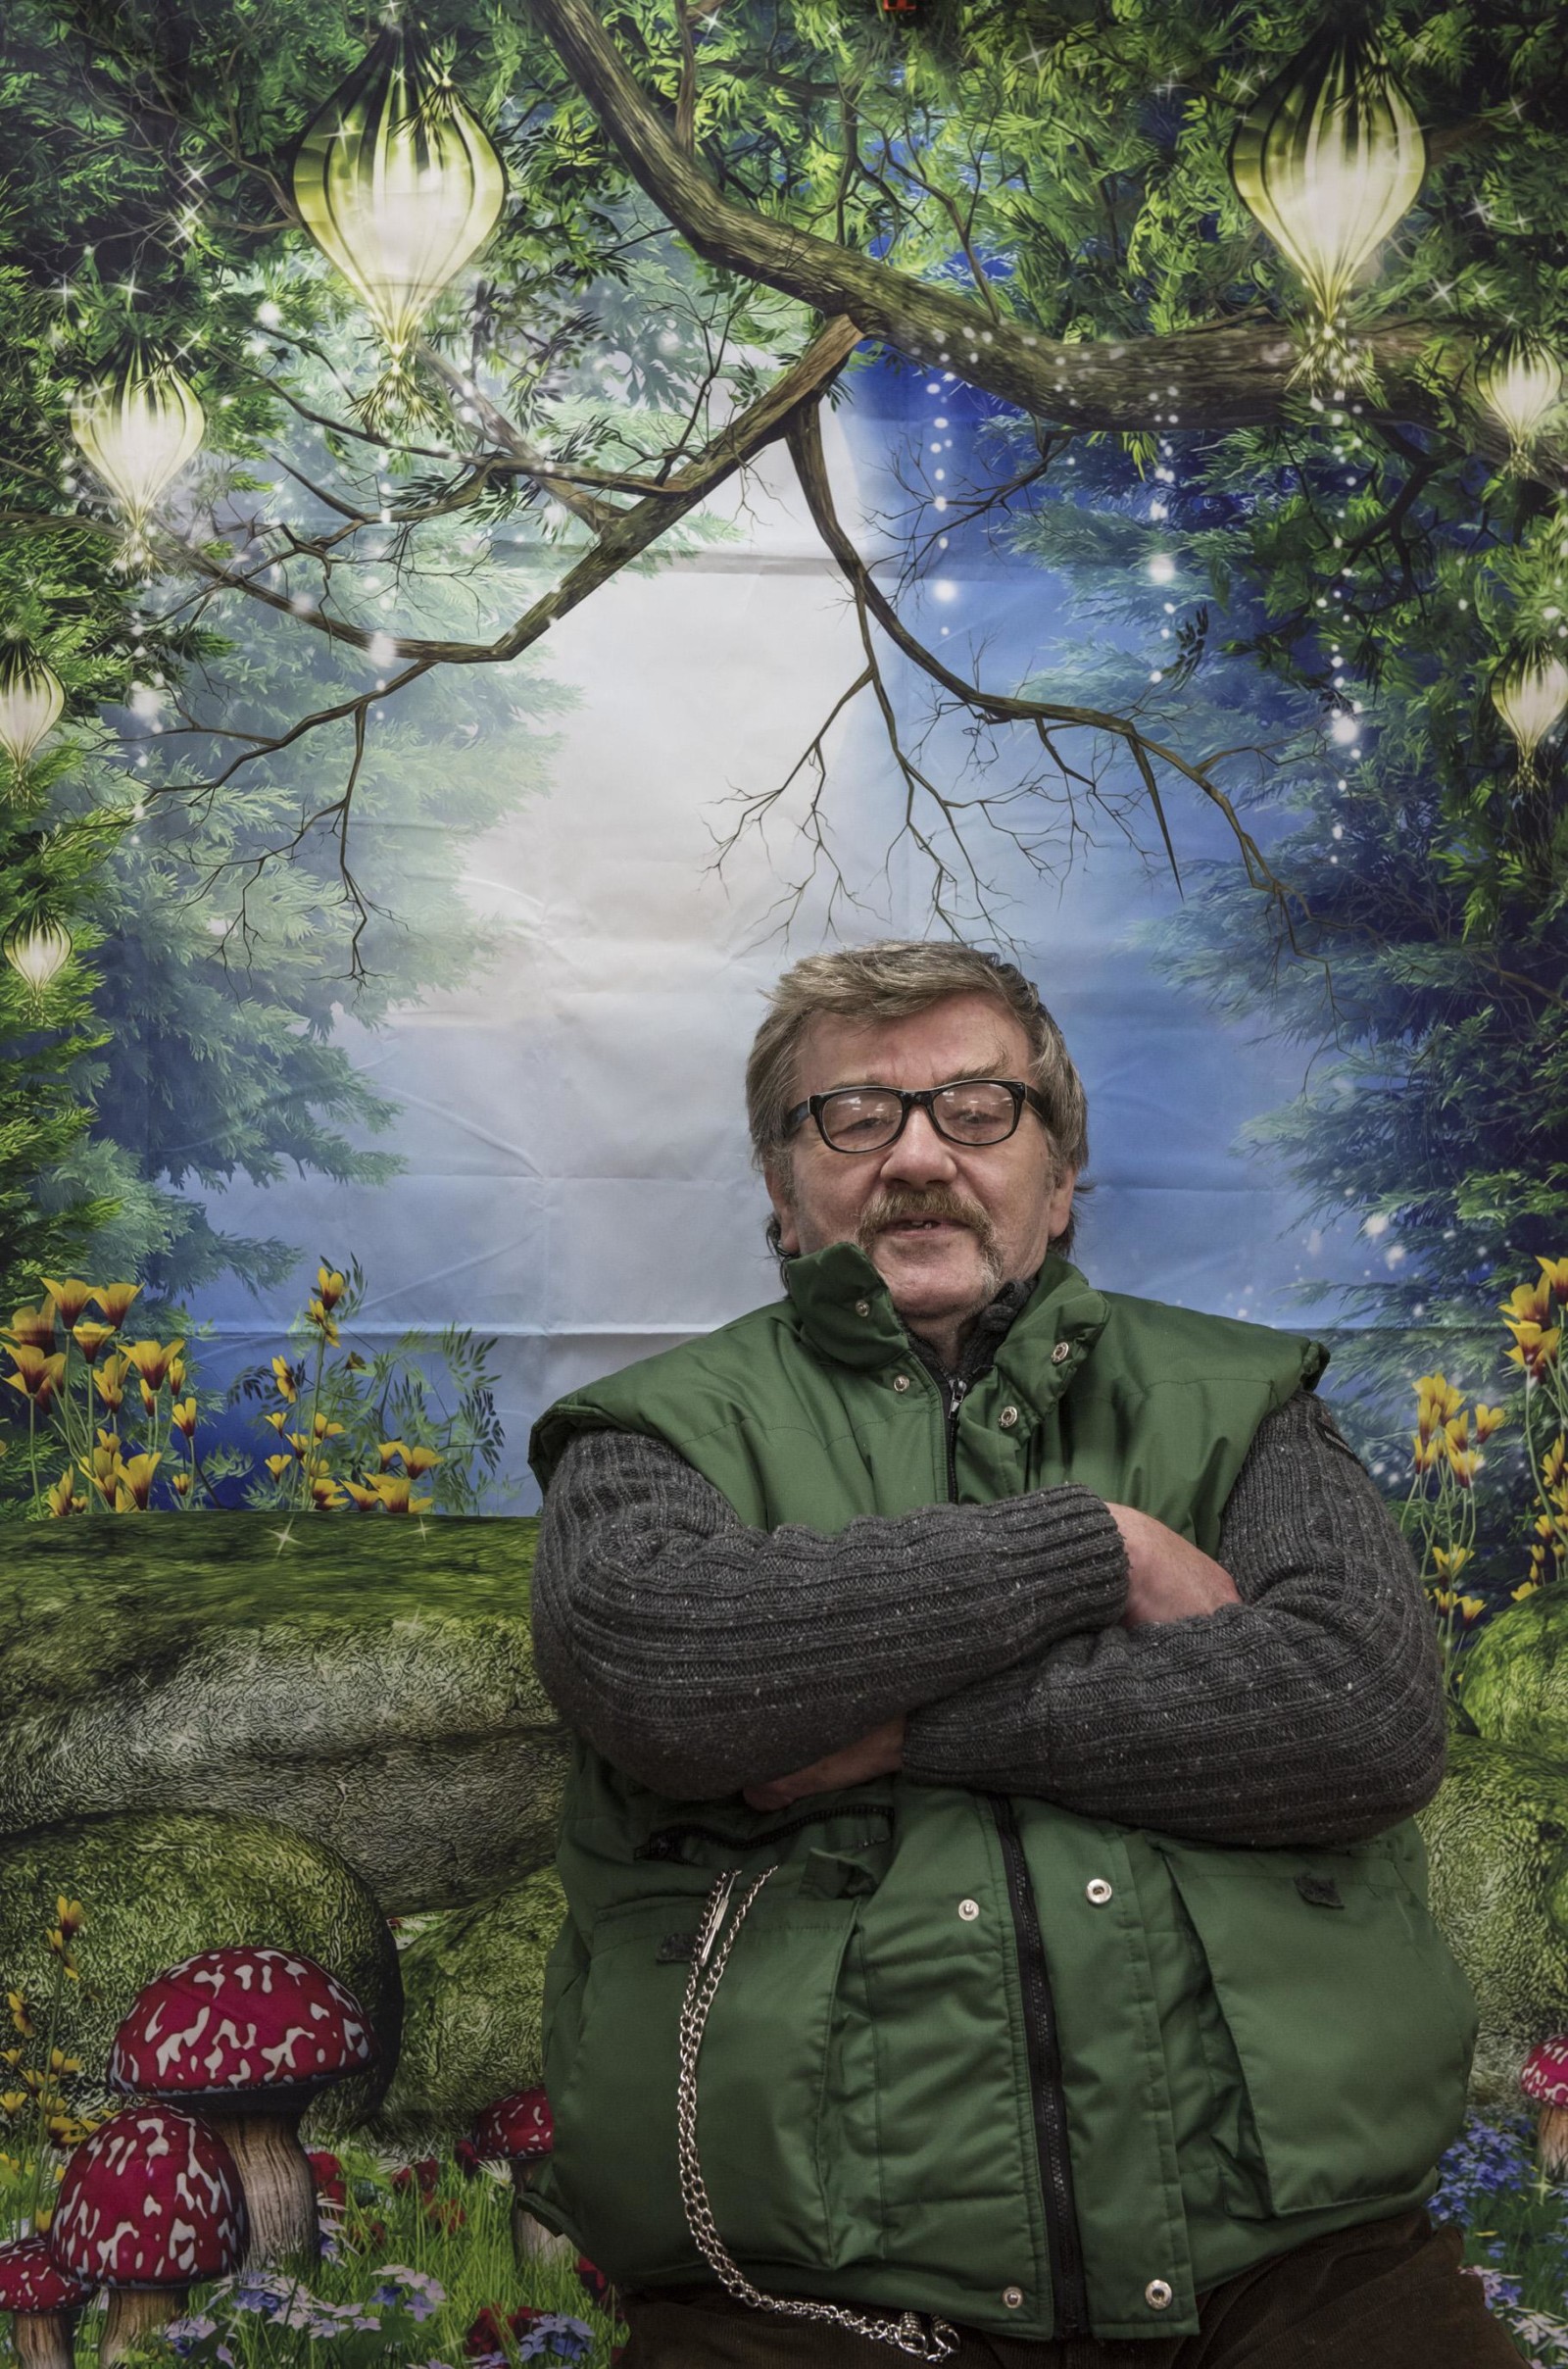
point(1060, 1204)
point(776, 1177)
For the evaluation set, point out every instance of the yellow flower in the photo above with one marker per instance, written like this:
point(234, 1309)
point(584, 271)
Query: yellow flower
point(321, 1318)
point(1471, 1608)
point(1555, 1274)
point(1534, 1350)
point(366, 1499)
point(16, 2001)
point(149, 1397)
point(1529, 1587)
point(1465, 1462)
point(110, 1382)
point(70, 1298)
point(37, 1376)
point(392, 1488)
point(115, 1300)
point(329, 1285)
point(1527, 1303)
point(90, 1337)
point(287, 1379)
point(1554, 1463)
point(151, 1360)
point(278, 1419)
point(62, 1499)
point(101, 1467)
point(176, 1375)
point(420, 1459)
point(180, 1482)
point(183, 1416)
point(1488, 1419)
point(324, 1430)
point(33, 1327)
point(299, 1441)
point(1441, 1392)
point(278, 1465)
point(1452, 1560)
point(11, 2101)
point(1445, 1599)
point(1456, 1430)
point(325, 1493)
point(1424, 1451)
point(387, 1449)
point(134, 1483)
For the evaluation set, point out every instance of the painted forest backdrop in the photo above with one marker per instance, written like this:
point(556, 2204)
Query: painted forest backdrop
point(515, 519)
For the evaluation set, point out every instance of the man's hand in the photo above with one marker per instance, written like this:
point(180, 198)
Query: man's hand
point(1167, 1577)
point(878, 1754)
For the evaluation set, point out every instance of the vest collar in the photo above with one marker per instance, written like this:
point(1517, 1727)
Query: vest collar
point(847, 1313)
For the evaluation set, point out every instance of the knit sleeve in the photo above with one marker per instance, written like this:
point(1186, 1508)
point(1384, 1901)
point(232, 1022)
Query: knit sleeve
point(701, 1656)
point(1310, 1713)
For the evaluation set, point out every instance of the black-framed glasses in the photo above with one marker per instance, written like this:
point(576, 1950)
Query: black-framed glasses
point(976, 1110)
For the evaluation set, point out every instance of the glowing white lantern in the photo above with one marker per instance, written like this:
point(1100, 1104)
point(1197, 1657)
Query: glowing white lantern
point(1519, 381)
point(37, 951)
point(1530, 692)
point(1328, 159)
point(138, 429)
point(32, 699)
point(397, 182)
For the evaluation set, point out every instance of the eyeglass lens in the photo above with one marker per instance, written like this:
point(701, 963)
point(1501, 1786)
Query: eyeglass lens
point(864, 1118)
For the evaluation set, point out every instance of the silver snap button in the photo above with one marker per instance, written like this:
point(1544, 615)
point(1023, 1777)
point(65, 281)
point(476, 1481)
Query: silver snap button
point(1158, 2292)
point(900, 1381)
point(863, 1308)
point(968, 1911)
point(1098, 1891)
point(1008, 1417)
point(1061, 1353)
point(1012, 2296)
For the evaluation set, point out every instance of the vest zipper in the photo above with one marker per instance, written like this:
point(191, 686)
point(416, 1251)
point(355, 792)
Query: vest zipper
point(1070, 2294)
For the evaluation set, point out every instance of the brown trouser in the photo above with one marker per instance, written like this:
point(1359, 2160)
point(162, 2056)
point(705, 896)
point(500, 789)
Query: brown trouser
point(1389, 2294)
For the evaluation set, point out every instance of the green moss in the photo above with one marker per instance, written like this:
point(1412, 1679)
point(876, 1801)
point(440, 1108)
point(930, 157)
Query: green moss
point(1497, 1837)
point(1515, 1685)
point(155, 1887)
point(474, 1986)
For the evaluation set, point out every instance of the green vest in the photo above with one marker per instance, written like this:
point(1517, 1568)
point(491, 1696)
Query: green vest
point(975, 2055)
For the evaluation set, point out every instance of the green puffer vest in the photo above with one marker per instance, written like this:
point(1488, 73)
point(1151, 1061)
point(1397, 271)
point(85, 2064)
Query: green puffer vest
point(974, 2055)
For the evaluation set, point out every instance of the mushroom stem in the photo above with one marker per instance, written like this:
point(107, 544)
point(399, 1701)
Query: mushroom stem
point(1551, 2133)
point(133, 2312)
point(43, 2338)
point(532, 2241)
point(279, 2186)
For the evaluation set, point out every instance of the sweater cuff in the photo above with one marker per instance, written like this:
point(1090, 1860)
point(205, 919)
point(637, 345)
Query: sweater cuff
point(1065, 1546)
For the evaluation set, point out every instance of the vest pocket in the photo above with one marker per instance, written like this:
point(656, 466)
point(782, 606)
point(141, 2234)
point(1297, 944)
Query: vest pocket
point(1340, 2038)
point(786, 2116)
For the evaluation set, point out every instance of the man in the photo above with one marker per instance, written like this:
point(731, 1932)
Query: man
point(995, 1930)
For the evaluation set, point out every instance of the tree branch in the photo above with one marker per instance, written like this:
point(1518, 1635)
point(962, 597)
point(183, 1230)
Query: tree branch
point(1217, 377)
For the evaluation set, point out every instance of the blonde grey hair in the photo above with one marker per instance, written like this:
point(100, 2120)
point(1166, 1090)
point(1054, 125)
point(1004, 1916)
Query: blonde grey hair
point(890, 982)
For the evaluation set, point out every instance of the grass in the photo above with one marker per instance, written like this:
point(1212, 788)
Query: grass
point(419, 2273)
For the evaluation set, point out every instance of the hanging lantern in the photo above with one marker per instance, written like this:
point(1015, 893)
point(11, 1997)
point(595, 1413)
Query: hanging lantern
point(37, 951)
point(1530, 692)
point(397, 182)
point(138, 429)
point(1519, 381)
point(1328, 158)
point(31, 701)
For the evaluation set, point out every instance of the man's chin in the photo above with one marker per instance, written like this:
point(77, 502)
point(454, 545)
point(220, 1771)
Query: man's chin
point(933, 1275)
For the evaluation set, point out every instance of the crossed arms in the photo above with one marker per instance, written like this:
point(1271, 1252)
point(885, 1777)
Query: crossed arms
point(1288, 1693)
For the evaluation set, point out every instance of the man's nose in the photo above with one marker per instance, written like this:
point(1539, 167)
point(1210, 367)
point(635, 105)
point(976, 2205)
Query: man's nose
point(921, 1156)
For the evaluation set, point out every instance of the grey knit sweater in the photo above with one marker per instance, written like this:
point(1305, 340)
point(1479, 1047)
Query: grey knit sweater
point(700, 1655)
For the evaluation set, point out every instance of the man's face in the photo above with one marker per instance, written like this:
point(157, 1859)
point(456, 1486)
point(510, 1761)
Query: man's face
point(944, 1225)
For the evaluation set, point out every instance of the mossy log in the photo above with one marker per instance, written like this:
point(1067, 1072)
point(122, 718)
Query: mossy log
point(367, 1681)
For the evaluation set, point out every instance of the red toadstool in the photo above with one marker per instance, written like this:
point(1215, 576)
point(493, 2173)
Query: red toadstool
point(150, 2202)
point(250, 2036)
point(45, 2300)
point(1545, 2080)
point(521, 2130)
